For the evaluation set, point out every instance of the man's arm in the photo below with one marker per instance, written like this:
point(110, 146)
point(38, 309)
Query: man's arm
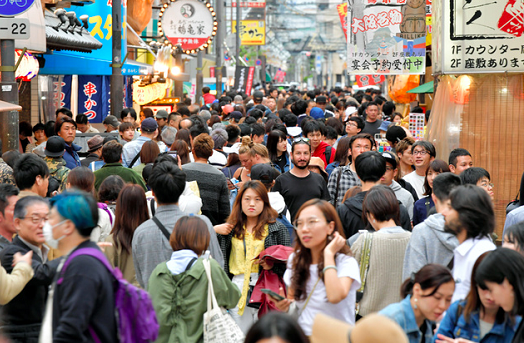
point(332, 184)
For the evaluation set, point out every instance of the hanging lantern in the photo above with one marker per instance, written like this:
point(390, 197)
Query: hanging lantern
point(399, 85)
point(461, 89)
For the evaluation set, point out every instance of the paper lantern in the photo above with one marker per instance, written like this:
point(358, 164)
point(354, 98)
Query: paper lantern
point(461, 89)
point(399, 85)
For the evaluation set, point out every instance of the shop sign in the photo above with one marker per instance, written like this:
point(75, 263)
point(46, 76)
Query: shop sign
point(386, 37)
point(244, 79)
point(369, 80)
point(190, 23)
point(471, 37)
point(250, 4)
point(145, 95)
point(342, 10)
point(252, 32)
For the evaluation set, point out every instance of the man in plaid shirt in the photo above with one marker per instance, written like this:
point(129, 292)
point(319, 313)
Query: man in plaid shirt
point(344, 178)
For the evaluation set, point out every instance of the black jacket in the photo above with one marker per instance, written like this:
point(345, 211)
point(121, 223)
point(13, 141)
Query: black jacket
point(90, 158)
point(84, 300)
point(350, 213)
point(277, 235)
point(27, 308)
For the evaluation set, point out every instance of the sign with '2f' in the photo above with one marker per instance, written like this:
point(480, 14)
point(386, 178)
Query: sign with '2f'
point(479, 36)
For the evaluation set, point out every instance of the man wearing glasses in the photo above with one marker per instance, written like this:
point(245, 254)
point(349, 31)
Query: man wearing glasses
point(299, 185)
point(22, 317)
point(423, 153)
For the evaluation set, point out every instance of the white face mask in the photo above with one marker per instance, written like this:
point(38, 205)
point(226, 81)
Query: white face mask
point(48, 234)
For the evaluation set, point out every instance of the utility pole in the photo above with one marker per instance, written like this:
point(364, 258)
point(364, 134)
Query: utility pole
point(117, 80)
point(239, 18)
point(219, 42)
point(179, 85)
point(199, 79)
point(9, 93)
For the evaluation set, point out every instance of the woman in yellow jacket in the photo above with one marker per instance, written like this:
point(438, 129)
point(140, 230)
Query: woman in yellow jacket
point(12, 284)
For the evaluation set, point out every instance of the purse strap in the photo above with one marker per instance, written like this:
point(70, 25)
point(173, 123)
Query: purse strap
point(211, 299)
point(309, 297)
point(364, 259)
point(161, 227)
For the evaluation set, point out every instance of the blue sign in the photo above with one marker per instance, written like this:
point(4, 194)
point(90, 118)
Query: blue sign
point(10, 8)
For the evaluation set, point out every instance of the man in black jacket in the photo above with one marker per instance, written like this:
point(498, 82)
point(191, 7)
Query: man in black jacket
point(370, 167)
point(83, 300)
point(22, 317)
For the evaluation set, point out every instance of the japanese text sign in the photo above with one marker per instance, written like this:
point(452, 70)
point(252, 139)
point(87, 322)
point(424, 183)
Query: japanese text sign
point(342, 10)
point(252, 32)
point(478, 36)
point(189, 23)
point(386, 37)
point(244, 79)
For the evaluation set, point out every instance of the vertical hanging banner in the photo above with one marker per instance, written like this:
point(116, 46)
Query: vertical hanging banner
point(478, 37)
point(386, 37)
point(93, 97)
point(342, 10)
point(244, 79)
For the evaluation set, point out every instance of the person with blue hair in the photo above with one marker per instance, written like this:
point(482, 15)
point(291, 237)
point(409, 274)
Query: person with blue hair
point(81, 302)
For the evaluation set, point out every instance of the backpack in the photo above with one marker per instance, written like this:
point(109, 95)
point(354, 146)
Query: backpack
point(327, 154)
point(136, 318)
point(104, 207)
point(284, 221)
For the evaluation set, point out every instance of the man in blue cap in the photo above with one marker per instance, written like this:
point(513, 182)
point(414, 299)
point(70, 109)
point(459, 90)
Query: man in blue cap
point(131, 152)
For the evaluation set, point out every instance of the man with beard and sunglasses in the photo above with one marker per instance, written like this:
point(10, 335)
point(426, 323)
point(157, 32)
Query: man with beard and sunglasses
point(299, 184)
point(469, 215)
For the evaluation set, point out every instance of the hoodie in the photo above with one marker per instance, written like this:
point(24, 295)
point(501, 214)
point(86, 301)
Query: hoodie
point(429, 243)
point(404, 197)
point(350, 213)
point(276, 200)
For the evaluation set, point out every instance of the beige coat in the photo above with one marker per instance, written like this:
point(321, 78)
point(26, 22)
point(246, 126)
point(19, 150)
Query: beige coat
point(12, 284)
point(121, 259)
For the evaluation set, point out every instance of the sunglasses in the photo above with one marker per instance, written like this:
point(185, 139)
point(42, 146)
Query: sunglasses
point(300, 139)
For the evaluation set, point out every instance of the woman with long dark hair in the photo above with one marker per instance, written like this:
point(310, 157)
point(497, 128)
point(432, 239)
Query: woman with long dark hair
point(341, 156)
point(501, 273)
point(250, 228)
point(427, 295)
point(321, 268)
point(182, 151)
point(423, 205)
point(477, 318)
point(131, 211)
point(277, 148)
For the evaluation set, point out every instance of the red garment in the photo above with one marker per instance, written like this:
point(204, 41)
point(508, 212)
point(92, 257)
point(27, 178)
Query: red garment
point(320, 152)
point(208, 98)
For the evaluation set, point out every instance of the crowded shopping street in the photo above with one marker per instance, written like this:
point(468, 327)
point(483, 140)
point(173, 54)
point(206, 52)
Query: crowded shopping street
point(261, 171)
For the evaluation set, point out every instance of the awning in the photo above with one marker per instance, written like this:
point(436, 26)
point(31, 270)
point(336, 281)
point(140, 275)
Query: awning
point(7, 106)
point(425, 88)
point(62, 64)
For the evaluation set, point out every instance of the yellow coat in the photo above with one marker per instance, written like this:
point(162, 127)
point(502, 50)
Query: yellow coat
point(12, 284)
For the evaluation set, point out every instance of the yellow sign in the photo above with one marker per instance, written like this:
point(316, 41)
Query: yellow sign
point(252, 32)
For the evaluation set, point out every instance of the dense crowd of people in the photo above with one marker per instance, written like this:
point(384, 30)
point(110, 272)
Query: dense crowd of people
point(283, 207)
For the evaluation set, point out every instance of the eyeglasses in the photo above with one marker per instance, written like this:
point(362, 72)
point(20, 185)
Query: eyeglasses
point(299, 224)
point(486, 185)
point(351, 123)
point(300, 139)
point(36, 219)
point(420, 152)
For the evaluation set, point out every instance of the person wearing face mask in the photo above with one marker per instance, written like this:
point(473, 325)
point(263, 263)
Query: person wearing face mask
point(21, 318)
point(427, 295)
point(81, 301)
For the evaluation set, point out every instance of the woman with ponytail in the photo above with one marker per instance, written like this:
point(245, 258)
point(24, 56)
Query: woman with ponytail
point(427, 295)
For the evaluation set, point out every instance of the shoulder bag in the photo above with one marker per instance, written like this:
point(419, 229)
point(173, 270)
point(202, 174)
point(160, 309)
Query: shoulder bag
point(364, 266)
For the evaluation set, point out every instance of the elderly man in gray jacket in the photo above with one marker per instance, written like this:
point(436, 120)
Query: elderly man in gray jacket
point(429, 243)
point(150, 242)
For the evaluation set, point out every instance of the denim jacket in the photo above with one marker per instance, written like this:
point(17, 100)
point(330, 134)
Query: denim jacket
point(287, 167)
point(402, 313)
point(454, 327)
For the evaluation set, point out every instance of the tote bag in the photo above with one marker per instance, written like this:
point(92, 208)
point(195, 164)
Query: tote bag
point(219, 326)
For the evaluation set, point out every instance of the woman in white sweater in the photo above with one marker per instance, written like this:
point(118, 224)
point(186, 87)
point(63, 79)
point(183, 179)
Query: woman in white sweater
point(383, 277)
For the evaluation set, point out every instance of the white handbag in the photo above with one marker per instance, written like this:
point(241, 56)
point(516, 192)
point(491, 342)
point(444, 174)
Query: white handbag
point(219, 326)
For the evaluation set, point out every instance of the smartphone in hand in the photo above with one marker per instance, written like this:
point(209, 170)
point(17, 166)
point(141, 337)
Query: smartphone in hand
point(272, 294)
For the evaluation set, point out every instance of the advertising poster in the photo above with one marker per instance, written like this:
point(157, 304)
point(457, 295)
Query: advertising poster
point(252, 32)
point(244, 79)
point(386, 36)
point(483, 36)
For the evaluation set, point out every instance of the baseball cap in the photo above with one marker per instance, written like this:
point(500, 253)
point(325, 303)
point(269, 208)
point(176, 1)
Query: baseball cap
point(111, 120)
point(149, 125)
point(390, 158)
point(396, 134)
point(162, 114)
point(263, 172)
point(237, 115)
point(258, 96)
point(55, 146)
point(384, 126)
point(227, 109)
point(331, 330)
point(95, 143)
